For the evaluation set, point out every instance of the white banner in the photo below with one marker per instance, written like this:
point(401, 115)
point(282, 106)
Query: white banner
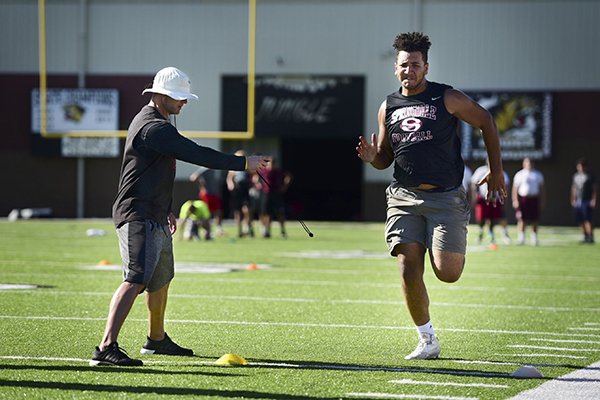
point(76, 110)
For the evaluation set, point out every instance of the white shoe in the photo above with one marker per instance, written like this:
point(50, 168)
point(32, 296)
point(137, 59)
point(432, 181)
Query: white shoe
point(427, 349)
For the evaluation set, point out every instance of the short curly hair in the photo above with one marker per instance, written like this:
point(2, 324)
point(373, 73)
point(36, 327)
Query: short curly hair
point(412, 41)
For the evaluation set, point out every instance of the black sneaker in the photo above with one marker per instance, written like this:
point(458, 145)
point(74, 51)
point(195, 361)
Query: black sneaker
point(113, 355)
point(165, 346)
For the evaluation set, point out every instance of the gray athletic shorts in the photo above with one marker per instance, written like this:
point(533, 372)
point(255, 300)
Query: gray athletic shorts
point(147, 253)
point(437, 220)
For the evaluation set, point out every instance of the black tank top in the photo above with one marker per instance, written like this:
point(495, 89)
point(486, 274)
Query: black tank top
point(424, 138)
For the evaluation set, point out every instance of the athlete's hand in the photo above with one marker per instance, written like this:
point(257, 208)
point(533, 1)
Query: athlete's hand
point(496, 190)
point(367, 151)
point(257, 163)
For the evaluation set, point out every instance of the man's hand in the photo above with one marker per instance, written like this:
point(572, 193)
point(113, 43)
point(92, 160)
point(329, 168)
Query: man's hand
point(257, 163)
point(172, 221)
point(367, 151)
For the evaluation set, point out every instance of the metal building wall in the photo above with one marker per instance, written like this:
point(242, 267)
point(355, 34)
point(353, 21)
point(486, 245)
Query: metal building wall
point(515, 44)
point(485, 44)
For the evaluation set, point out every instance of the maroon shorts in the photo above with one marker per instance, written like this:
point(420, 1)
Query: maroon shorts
point(487, 211)
point(529, 208)
point(212, 200)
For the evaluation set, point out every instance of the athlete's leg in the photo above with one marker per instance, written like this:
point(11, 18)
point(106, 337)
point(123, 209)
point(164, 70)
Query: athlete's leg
point(411, 257)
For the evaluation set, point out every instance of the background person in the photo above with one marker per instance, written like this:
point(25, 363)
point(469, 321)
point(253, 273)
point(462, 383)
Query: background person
point(427, 206)
point(272, 200)
point(488, 213)
point(238, 184)
point(194, 215)
point(143, 217)
point(528, 198)
point(583, 199)
point(469, 189)
point(209, 191)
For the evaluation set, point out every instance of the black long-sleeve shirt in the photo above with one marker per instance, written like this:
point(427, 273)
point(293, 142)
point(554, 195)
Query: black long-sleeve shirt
point(148, 168)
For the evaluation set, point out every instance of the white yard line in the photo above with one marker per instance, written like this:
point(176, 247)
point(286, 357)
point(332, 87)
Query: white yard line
point(489, 362)
point(374, 395)
point(584, 329)
point(65, 359)
point(294, 324)
point(564, 341)
point(325, 301)
point(525, 346)
point(529, 355)
point(414, 382)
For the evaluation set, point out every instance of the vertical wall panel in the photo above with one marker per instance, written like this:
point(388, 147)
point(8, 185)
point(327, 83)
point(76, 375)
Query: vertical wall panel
point(515, 44)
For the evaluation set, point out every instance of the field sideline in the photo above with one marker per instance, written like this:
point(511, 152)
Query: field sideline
point(317, 318)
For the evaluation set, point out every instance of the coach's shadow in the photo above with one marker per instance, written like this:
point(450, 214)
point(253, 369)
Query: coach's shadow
point(124, 370)
point(153, 390)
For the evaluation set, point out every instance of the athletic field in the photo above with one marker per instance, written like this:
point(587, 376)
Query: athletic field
point(315, 318)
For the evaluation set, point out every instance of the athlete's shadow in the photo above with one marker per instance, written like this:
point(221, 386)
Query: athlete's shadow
point(431, 368)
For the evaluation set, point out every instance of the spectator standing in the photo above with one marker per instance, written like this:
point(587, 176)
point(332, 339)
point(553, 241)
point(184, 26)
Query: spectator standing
point(272, 201)
point(238, 184)
point(528, 198)
point(583, 199)
point(486, 212)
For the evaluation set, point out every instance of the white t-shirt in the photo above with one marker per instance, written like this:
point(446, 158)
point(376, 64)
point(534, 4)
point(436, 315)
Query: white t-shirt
point(528, 182)
point(479, 174)
point(467, 176)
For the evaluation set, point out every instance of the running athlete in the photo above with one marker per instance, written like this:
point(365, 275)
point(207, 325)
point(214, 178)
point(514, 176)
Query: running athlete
point(427, 210)
point(143, 216)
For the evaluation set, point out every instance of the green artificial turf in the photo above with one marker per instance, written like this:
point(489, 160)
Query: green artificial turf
point(321, 317)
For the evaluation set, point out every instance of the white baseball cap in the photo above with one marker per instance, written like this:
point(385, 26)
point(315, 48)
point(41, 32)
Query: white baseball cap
point(172, 82)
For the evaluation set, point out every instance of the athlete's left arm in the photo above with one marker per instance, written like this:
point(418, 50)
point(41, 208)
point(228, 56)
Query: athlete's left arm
point(466, 109)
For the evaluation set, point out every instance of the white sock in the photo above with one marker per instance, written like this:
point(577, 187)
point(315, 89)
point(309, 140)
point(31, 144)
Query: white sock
point(426, 328)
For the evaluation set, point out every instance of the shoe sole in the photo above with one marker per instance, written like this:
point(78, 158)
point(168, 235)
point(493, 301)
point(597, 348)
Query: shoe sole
point(158, 352)
point(422, 358)
point(95, 363)
point(99, 363)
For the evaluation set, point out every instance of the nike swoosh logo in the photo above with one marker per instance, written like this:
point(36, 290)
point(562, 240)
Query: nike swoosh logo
point(435, 98)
